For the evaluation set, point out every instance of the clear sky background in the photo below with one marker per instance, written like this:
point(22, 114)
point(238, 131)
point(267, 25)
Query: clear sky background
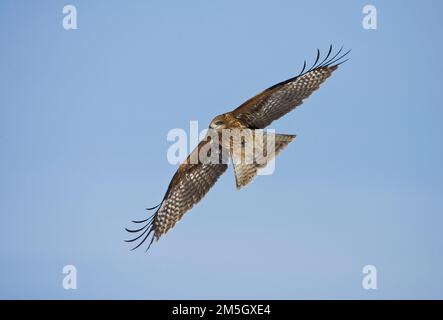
point(84, 116)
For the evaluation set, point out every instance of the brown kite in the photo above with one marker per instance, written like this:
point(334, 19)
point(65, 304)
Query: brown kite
point(195, 177)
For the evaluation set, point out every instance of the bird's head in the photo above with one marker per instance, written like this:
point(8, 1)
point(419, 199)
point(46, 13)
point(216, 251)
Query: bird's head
point(219, 122)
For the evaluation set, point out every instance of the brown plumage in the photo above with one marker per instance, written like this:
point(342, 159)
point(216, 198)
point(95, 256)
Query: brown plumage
point(208, 161)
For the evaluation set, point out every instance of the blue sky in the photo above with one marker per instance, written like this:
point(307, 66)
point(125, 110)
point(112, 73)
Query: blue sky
point(84, 116)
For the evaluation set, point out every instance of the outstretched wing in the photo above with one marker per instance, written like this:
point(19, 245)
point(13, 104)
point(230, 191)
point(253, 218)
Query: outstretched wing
point(189, 185)
point(271, 104)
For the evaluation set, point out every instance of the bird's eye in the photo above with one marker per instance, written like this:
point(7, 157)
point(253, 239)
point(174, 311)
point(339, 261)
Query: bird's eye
point(218, 123)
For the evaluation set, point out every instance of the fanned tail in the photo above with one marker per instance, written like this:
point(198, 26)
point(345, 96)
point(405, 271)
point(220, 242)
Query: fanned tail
point(266, 147)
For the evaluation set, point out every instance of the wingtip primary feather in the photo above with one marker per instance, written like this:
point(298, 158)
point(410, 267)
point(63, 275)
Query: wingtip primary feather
point(328, 61)
point(152, 208)
point(146, 230)
point(336, 61)
point(316, 60)
point(304, 67)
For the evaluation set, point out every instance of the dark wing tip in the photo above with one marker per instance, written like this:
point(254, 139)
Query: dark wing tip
point(314, 65)
point(145, 231)
point(328, 61)
point(304, 67)
point(336, 60)
point(152, 208)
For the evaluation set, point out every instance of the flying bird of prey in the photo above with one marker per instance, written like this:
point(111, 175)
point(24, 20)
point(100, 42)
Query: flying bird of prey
point(193, 179)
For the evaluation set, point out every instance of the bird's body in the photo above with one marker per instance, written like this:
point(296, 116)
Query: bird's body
point(226, 139)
